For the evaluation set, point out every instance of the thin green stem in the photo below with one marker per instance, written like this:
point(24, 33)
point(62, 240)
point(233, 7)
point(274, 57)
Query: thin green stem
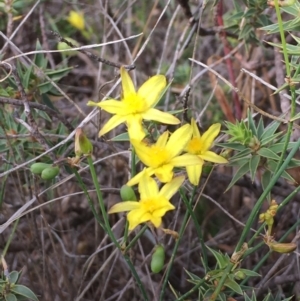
point(135, 239)
point(108, 228)
point(170, 264)
point(292, 86)
point(256, 208)
point(197, 226)
point(83, 187)
point(10, 237)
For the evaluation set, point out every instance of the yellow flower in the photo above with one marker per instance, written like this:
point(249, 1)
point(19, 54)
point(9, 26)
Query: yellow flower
point(163, 156)
point(153, 203)
point(199, 146)
point(76, 19)
point(136, 106)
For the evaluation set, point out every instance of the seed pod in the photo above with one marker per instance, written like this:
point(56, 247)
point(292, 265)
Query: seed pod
point(50, 173)
point(239, 275)
point(158, 259)
point(37, 168)
point(283, 247)
point(127, 193)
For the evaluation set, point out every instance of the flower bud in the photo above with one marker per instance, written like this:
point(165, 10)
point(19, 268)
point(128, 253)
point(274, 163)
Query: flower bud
point(127, 193)
point(83, 145)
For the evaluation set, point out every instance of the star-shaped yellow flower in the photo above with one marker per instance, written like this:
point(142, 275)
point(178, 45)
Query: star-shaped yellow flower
point(164, 155)
point(76, 19)
point(199, 146)
point(135, 106)
point(153, 203)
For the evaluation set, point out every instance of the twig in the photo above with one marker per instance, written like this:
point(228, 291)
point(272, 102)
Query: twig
point(35, 105)
point(91, 55)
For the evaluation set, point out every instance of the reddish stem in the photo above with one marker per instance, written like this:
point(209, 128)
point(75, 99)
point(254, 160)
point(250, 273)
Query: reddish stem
point(227, 49)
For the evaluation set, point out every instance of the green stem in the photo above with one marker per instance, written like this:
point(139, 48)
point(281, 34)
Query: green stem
point(170, 264)
point(135, 239)
point(292, 86)
point(10, 237)
point(197, 226)
point(108, 228)
point(256, 208)
point(83, 187)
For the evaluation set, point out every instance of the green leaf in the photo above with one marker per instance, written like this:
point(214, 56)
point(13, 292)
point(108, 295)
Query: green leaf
point(14, 277)
point(266, 178)
point(222, 260)
point(234, 146)
point(244, 155)
point(253, 296)
point(233, 285)
point(24, 291)
point(11, 297)
point(249, 273)
point(272, 167)
point(121, 137)
point(253, 165)
point(270, 130)
point(267, 153)
point(239, 174)
point(260, 128)
point(251, 123)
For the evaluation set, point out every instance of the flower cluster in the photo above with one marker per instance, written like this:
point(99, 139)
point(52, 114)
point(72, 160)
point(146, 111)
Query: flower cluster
point(185, 147)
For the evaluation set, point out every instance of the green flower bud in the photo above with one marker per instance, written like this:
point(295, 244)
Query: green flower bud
point(127, 193)
point(83, 145)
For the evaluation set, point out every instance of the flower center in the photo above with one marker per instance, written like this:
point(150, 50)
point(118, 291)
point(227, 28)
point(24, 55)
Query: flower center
point(159, 156)
point(134, 104)
point(195, 146)
point(151, 205)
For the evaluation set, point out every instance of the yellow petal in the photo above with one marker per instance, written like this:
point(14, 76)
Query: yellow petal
point(136, 179)
point(164, 173)
point(196, 132)
point(76, 19)
point(156, 221)
point(135, 128)
point(136, 217)
point(162, 117)
point(93, 104)
point(127, 84)
point(112, 123)
point(124, 206)
point(112, 106)
point(151, 90)
point(186, 160)
point(210, 135)
point(179, 140)
point(143, 151)
point(147, 187)
point(194, 173)
point(162, 139)
point(169, 189)
point(212, 157)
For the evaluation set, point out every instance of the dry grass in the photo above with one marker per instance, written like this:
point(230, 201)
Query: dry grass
point(61, 250)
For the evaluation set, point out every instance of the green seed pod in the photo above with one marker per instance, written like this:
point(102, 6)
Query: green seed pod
point(158, 259)
point(37, 168)
point(239, 275)
point(50, 173)
point(127, 193)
